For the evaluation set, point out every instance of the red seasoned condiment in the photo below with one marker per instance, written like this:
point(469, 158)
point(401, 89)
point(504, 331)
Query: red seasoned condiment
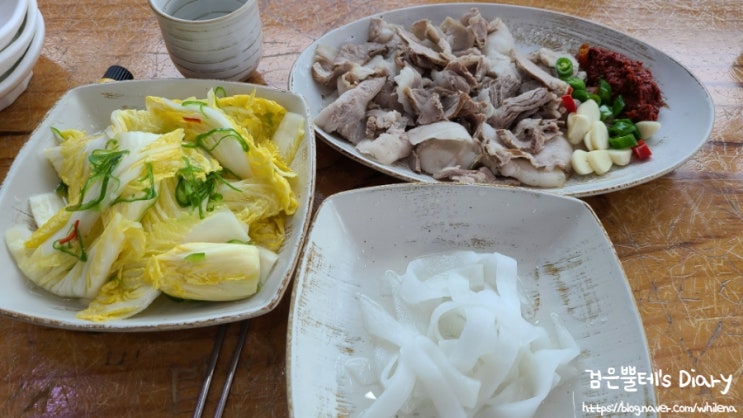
point(627, 78)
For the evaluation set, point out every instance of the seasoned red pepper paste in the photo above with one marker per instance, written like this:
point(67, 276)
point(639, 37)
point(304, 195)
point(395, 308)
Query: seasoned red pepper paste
point(627, 78)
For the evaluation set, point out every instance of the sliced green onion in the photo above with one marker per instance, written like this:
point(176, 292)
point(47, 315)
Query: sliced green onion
point(219, 91)
point(62, 190)
point(195, 257)
point(103, 162)
point(57, 134)
point(72, 244)
point(229, 133)
point(190, 191)
point(148, 193)
point(198, 103)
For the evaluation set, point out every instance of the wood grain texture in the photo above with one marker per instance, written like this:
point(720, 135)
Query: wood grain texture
point(680, 237)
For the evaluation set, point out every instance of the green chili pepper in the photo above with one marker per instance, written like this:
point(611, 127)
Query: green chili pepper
point(604, 91)
point(605, 113)
point(564, 67)
point(622, 127)
point(622, 142)
point(581, 95)
point(576, 83)
point(618, 106)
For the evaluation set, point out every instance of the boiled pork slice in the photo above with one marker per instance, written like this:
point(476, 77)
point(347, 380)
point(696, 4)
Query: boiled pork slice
point(347, 113)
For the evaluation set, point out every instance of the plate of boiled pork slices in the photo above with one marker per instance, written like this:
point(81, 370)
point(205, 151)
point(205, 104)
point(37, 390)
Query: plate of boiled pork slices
point(498, 94)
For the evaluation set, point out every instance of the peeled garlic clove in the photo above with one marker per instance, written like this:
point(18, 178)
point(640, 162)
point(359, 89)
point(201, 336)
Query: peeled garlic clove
point(579, 161)
point(599, 136)
point(588, 141)
point(578, 126)
point(620, 156)
point(600, 161)
point(647, 128)
point(590, 109)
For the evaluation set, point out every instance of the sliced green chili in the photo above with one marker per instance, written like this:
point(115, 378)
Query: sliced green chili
point(605, 113)
point(618, 106)
point(621, 127)
point(622, 142)
point(576, 83)
point(564, 67)
point(604, 91)
point(581, 95)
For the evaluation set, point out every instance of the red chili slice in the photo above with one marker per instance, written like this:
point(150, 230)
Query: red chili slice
point(569, 103)
point(642, 150)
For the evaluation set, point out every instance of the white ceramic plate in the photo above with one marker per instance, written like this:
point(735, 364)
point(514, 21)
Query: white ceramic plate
point(566, 262)
point(686, 122)
point(89, 108)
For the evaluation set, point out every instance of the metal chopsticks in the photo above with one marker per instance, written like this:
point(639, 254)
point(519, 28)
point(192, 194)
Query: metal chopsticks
point(216, 349)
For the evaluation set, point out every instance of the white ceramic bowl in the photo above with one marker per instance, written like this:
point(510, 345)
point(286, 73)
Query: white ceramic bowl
point(15, 50)
point(89, 107)
point(16, 80)
point(13, 13)
point(566, 265)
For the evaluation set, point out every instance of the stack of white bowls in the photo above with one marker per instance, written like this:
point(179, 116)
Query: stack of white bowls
point(21, 38)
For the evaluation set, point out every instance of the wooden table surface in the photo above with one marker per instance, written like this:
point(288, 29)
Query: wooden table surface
point(680, 237)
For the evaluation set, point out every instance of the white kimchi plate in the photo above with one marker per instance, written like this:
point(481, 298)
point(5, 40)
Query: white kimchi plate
point(566, 264)
point(686, 121)
point(89, 108)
